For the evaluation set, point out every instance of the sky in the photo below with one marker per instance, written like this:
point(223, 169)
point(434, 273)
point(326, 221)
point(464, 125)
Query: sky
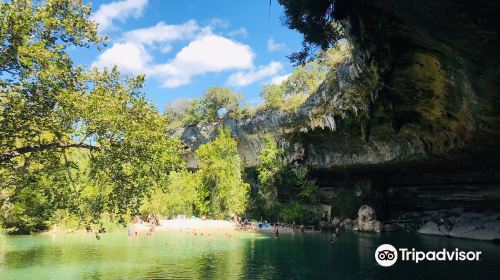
point(185, 47)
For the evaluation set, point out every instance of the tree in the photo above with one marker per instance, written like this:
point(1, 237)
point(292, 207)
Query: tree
point(185, 112)
point(273, 96)
point(316, 20)
point(270, 170)
point(218, 101)
point(291, 93)
point(50, 110)
point(292, 212)
point(274, 176)
point(305, 79)
point(307, 188)
point(222, 190)
point(179, 197)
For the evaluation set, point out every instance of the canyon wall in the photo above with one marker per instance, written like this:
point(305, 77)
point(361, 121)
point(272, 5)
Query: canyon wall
point(414, 111)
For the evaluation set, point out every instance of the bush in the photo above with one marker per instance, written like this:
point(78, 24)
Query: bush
point(179, 197)
point(292, 212)
point(28, 214)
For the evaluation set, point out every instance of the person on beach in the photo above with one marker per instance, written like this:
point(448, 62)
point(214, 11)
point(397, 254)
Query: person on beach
point(152, 228)
point(302, 229)
point(276, 231)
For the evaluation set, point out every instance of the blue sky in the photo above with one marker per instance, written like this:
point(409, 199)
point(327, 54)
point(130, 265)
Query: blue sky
point(185, 47)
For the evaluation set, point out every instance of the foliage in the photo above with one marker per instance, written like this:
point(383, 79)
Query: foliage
point(305, 79)
point(78, 139)
point(270, 169)
point(292, 212)
point(331, 58)
point(180, 196)
point(274, 176)
point(290, 94)
point(222, 190)
point(316, 21)
point(273, 96)
point(216, 189)
point(17, 218)
point(307, 187)
point(218, 101)
point(184, 112)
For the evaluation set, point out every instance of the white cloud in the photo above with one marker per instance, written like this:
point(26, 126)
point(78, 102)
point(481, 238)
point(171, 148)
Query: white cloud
point(274, 46)
point(118, 10)
point(244, 78)
point(129, 57)
point(238, 32)
point(162, 33)
point(278, 80)
point(208, 53)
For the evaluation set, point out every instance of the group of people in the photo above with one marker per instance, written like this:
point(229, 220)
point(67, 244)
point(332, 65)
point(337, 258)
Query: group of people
point(282, 225)
point(151, 219)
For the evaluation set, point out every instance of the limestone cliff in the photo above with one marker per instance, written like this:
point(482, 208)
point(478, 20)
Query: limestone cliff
point(419, 95)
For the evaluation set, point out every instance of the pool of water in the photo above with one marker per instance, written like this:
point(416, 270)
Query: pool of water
point(168, 255)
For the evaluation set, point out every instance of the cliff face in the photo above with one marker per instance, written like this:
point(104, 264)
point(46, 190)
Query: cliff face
point(419, 95)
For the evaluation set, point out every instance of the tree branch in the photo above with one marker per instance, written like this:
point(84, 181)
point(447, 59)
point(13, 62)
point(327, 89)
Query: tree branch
point(42, 147)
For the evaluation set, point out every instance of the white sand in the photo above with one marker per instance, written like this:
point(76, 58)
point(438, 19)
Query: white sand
point(191, 224)
point(199, 225)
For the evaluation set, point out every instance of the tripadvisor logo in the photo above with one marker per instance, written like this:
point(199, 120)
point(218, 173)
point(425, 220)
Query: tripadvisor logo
point(387, 255)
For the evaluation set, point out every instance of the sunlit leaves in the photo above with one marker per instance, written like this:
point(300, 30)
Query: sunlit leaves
point(83, 141)
point(223, 190)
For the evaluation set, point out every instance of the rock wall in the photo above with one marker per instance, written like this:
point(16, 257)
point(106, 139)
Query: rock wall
point(415, 108)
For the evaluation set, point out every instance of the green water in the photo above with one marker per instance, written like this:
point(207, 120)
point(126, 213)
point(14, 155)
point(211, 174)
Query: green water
point(245, 256)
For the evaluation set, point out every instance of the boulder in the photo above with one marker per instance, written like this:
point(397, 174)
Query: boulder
point(366, 214)
point(367, 220)
point(434, 229)
point(347, 224)
point(335, 221)
point(465, 223)
point(371, 226)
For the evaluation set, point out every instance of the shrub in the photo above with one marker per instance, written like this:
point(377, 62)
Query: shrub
point(292, 212)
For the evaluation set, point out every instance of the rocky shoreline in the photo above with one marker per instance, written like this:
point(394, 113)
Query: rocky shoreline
point(455, 223)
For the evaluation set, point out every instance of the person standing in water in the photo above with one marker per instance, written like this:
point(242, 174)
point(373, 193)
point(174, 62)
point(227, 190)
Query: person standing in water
point(276, 232)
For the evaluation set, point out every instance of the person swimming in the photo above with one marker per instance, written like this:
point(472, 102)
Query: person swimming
point(333, 239)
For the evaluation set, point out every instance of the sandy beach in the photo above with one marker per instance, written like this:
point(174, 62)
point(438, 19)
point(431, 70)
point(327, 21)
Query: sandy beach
point(224, 226)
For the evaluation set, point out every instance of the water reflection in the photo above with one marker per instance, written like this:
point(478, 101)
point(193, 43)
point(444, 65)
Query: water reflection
point(247, 256)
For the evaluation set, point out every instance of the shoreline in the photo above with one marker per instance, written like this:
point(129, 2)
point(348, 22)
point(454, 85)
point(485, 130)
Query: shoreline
point(185, 225)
